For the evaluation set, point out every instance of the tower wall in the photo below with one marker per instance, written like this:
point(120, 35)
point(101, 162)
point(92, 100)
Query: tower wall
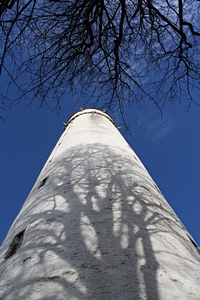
point(96, 226)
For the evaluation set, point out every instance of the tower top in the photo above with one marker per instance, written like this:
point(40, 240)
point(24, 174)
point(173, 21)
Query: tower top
point(89, 111)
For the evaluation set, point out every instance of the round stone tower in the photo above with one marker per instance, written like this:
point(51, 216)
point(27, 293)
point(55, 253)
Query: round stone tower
point(96, 226)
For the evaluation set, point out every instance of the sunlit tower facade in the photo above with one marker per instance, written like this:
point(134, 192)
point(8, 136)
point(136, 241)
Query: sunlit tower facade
point(96, 226)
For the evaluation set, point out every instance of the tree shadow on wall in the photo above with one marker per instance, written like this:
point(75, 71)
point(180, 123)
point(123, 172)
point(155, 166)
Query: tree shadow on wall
point(92, 240)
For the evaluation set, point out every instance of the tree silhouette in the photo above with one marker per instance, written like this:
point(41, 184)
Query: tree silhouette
point(124, 51)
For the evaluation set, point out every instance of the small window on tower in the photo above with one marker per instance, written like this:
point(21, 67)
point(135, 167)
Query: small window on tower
point(192, 241)
point(15, 244)
point(42, 182)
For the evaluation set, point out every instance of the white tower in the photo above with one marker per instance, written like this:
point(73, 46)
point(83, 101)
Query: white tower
point(96, 226)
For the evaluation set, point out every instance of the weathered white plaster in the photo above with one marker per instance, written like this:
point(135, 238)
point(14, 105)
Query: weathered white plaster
point(99, 228)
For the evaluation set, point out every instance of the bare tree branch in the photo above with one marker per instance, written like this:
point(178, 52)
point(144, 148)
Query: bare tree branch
point(123, 51)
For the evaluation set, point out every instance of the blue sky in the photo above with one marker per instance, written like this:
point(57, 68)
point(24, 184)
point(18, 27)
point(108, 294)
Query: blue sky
point(169, 148)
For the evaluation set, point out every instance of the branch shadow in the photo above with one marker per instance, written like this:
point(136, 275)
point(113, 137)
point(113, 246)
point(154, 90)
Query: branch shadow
point(90, 237)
